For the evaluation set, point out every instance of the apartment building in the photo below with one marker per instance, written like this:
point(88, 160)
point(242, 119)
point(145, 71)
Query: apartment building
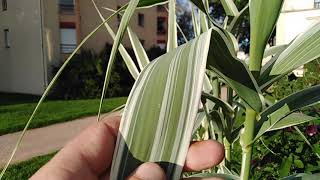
point(37, 34)
point(295, 18)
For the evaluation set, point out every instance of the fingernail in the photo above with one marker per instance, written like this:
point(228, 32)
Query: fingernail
point(149, 171)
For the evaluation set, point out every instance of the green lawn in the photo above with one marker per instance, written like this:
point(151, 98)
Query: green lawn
point(26, 169)
point(14, 117)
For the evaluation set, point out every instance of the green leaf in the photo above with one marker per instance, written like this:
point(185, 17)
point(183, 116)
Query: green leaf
point(263, 18)
point(151, 3)
point(226, 108)
point(172, 27)
point(237, 76)
point(229, 7)
point(292, 120)
point(298, 163)
point(285, 166)
point(303, 176)
point(215, 175)
point(201, 116)
point(305, 48)
point(138, 49)
point(273, 118)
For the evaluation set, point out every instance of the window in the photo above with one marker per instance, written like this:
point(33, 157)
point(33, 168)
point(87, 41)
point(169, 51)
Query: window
point(161, 21)
point(316, 3)
point(141, 19)
point(66, 6)
point(68, 37)
point(4, 5)
point(6, 38)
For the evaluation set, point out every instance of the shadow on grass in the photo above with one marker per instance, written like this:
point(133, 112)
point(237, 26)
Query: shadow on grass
point(15, 98)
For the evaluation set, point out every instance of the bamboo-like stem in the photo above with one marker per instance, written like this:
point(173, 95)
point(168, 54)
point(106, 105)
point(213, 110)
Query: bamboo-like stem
point(227, 149)
point(246, 137)
point(220, 140)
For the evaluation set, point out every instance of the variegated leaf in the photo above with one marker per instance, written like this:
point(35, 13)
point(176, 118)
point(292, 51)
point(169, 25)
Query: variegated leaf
point(161, 110)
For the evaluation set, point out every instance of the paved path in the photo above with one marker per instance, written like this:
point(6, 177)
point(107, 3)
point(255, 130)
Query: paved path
point(45, 140)
point(41, 141)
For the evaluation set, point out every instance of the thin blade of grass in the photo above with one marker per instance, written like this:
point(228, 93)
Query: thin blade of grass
point(196, 26)
point(123, 52)
point(138, 49)
point(122, 28)
point(179, 28)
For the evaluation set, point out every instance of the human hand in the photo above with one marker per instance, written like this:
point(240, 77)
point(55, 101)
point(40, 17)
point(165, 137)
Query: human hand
point(90, 154)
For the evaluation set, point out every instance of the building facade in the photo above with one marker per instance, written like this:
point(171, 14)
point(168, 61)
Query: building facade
point(29, 44)
point(35, 35)
point(295, 18)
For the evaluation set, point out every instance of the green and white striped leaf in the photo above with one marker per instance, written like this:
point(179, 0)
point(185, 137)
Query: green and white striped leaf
point(305, 48)
point(292, 120)
point(263, 18)
point(120, 33)
point(179, 28)
point(272, 119)
point(172, 27)
point(272, 115)
point(123, 52)
point(274, 50)
point(295, 101)
point(161, 110)
point(165, 99)
point(138, 49)
point(230, 8)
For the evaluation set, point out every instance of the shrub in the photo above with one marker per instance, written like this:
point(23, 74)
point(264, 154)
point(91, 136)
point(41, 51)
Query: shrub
point(83, 77)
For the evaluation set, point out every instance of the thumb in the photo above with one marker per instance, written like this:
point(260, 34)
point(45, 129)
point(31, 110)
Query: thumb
point(148, 171)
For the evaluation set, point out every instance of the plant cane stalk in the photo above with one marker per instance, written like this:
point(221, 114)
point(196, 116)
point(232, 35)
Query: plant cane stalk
point(227, 149)
point(246, 137)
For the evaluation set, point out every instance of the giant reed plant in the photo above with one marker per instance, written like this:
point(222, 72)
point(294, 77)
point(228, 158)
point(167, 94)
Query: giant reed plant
point(179, 92)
